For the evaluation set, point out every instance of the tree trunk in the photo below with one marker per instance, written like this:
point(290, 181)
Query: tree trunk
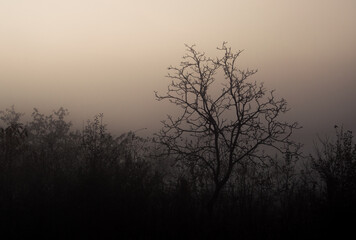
point(214, 198)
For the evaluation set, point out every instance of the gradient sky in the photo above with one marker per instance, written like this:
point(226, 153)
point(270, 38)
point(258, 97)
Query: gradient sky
point(109, 56)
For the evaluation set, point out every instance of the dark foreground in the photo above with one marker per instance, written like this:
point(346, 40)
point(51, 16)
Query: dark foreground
point(58, 184)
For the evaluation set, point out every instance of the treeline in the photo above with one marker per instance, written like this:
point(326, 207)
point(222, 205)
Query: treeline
point(57, 183)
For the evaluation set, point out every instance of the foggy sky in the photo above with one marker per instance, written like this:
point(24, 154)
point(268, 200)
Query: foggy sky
point(109, 56)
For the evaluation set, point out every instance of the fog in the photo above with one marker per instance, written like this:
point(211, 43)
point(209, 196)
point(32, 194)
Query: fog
point(109, 57)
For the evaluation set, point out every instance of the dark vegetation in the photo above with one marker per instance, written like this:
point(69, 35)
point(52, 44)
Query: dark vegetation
point(208, 174)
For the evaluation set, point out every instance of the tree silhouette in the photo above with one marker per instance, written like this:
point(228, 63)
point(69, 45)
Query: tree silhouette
point(336, 165)
point(217, 130)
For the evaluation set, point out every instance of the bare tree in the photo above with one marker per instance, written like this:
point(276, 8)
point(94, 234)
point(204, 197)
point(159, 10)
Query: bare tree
point(218, 129)
point(336, 164)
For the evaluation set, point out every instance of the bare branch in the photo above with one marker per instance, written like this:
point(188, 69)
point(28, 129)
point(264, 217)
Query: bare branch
point(218, 130)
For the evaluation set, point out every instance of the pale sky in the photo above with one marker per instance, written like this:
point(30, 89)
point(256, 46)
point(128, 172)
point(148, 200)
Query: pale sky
point(109, 56)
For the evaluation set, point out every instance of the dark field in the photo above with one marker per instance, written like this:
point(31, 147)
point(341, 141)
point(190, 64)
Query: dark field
point(56, 183)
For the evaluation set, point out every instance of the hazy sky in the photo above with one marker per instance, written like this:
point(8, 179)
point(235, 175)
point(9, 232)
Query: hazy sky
point(93, 56)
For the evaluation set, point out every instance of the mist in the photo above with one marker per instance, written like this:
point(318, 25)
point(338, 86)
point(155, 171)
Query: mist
point(110, 56)
point(228, 164)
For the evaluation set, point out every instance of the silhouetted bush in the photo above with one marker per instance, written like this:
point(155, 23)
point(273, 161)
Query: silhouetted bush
point(336, 165)
point(60, 183)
